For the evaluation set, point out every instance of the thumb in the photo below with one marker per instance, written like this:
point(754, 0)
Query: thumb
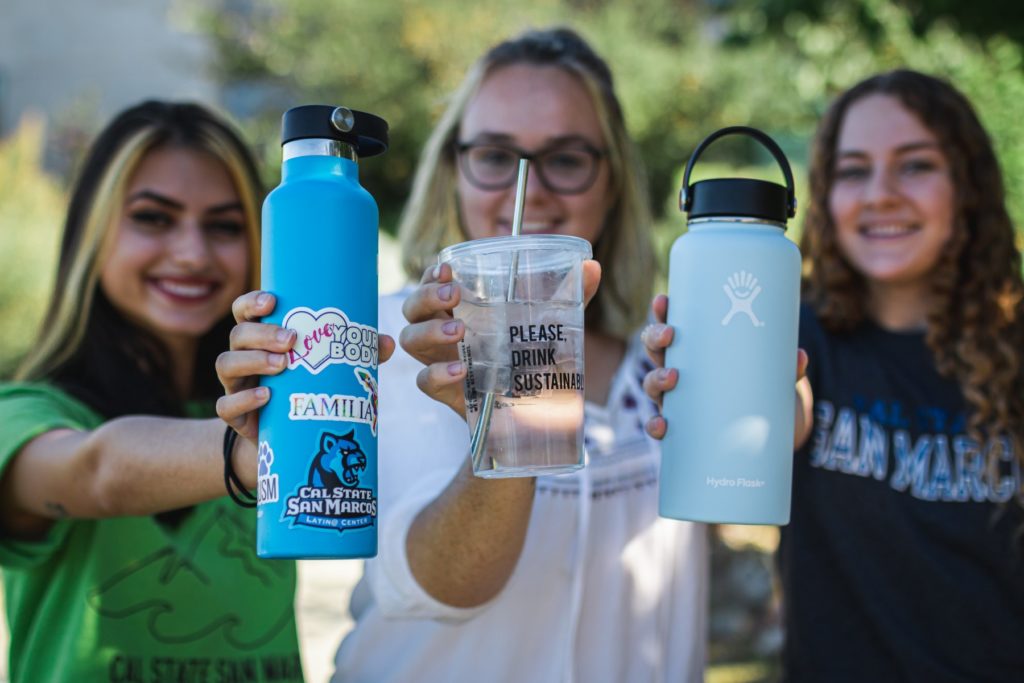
point(591, 279)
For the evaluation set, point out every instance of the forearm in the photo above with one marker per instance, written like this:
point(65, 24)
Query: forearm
point(146, 465)
point(128, 466)
point(464, 546)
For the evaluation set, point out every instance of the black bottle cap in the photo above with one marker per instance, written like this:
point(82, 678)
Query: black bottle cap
point(367, 133)
point(739, 197)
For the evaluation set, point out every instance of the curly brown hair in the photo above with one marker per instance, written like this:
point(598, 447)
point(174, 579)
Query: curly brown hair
point(976, 321)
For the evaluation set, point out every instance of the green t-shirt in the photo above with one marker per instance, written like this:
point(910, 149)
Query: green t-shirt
point(128, 600)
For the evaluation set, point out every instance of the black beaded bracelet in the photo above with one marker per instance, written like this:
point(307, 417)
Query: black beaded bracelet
point(236, 489)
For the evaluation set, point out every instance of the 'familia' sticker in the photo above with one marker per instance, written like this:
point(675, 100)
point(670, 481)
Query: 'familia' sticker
point(332, 497)
point(326, 337)
point(338, 407)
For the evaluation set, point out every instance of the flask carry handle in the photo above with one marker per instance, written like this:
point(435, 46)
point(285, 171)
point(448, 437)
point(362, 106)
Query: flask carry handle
point(686, 194)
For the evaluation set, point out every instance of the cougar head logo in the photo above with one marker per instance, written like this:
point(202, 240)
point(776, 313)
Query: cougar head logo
point(339, 461)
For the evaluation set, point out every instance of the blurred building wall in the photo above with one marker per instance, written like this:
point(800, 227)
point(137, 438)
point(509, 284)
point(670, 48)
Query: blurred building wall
point(77, 62)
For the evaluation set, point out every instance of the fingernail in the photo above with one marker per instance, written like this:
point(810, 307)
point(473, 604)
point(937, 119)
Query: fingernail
point(663, 374)
point(277, 359)
point(262, 392)
point(455, 368)
point(284, 336)
point(445, 293)
point(262, 299)
point(450, 327)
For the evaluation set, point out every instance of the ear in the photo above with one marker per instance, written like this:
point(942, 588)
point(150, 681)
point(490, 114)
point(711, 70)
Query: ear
point(328, 441)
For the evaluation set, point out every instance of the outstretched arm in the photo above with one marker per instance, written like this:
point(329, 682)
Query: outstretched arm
point(464, 545)
point(128, 466)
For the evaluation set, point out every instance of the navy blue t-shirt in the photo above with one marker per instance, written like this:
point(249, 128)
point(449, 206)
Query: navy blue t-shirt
point(904, 559)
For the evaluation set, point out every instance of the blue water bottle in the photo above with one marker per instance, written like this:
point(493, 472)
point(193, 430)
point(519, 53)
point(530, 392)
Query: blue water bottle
point(317, 481)
point(734, 299)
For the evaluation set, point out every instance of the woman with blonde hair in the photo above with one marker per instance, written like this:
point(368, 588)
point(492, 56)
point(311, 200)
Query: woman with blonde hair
point(553, 578)
point(121, 558)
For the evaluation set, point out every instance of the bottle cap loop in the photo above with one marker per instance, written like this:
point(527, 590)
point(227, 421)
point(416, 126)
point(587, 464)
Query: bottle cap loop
point(744, 197)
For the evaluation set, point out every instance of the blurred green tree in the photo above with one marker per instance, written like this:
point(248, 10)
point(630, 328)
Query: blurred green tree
point(31, 212)
point(681, 72)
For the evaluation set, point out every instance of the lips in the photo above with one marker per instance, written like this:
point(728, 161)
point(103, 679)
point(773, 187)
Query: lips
point(186, 290)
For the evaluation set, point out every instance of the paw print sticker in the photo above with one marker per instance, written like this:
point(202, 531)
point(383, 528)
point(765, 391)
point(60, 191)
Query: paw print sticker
point(266, 459)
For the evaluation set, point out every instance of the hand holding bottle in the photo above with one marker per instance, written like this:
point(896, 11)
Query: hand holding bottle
point(433, 332)
point(258, 350)
point(658, 336)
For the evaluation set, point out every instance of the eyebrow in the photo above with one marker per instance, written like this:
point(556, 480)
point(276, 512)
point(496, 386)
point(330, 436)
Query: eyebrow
point(902, 149)
point(158, 198)
point(175, 204)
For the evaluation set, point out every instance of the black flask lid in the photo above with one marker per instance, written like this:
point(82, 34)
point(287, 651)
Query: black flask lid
point(739, 197)
point(367, 133)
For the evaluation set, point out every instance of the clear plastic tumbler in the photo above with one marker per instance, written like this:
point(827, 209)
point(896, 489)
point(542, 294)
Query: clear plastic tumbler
point(522, 305)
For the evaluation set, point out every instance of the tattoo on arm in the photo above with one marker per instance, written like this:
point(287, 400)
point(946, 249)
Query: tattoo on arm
point(56, 509)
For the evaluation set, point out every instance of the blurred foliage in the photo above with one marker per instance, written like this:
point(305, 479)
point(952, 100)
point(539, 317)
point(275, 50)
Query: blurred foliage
point(31, 213)
point(684, 68)
point(980, 18)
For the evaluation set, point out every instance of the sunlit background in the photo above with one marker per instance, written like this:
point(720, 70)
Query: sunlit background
point(683, 69)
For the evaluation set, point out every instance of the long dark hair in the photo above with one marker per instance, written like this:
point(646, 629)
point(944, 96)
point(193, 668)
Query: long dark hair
point(976, 324)
point(86, 346)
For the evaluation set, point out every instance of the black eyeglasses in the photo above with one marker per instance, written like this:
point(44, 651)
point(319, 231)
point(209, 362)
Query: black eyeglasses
point(568, 168)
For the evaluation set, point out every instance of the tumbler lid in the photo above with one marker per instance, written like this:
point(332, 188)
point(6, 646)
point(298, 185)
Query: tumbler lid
point(367, 133)
point(739, 197)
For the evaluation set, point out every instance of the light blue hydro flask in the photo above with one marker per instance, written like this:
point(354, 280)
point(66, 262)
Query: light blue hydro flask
point(734, 299)
point(317, 481)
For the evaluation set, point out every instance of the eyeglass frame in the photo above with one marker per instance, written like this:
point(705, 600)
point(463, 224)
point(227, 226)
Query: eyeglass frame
point(595, 153)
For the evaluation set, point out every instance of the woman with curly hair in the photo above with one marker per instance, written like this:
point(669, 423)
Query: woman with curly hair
point(903, 560)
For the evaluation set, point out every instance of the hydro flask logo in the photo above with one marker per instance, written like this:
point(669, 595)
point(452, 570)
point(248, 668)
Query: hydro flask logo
point(742, 289)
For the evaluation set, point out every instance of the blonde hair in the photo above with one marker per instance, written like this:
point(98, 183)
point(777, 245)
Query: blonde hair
point(624, 248)
point(95, 210)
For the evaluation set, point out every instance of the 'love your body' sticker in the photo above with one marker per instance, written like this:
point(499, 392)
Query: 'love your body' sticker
point(326, 337)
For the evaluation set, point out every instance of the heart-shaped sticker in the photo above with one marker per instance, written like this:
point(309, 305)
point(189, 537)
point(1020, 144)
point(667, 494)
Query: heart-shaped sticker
point(327, 336)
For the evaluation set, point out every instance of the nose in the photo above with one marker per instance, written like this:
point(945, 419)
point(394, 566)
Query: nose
point(190, 247)
point(536, 192)
point(881, 187)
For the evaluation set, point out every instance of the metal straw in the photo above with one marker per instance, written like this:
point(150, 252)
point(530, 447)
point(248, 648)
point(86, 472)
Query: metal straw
point(483, 425)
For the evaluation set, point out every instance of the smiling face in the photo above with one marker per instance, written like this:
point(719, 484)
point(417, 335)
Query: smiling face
point(180, 255)
point(534, 109)
point(892, 198)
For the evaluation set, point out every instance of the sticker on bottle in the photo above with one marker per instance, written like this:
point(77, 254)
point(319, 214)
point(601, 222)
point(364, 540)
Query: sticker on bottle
point(327, 337)
point(331, 497)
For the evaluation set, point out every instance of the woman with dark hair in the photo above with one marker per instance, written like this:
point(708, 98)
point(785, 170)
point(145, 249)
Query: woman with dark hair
point(121, 560)
point(554, 578)
point(903, 560)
